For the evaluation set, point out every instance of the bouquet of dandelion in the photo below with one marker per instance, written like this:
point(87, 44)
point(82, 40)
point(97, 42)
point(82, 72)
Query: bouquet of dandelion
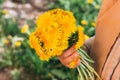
point(57, 31)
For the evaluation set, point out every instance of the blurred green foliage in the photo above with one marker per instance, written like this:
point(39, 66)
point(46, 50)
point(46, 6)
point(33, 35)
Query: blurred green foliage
point(10, 26)
point(23, 61)
point(1, 1)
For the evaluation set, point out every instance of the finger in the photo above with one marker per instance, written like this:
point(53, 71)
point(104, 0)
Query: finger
point(68, 52)
point(77, 63)
point(75, 66)
point(69, 59)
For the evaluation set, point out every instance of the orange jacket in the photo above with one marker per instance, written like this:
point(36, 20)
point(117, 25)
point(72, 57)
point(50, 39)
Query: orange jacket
point(106, 46)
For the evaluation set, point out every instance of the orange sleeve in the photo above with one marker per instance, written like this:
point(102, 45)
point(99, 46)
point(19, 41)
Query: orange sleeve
point(107, 30)
point(106, 5)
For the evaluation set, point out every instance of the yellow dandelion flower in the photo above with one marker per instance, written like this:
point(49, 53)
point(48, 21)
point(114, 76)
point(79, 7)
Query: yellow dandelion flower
point(93, 24)
point(90, 1)
point(24, 28)
point(52, 33)
point(36, 44)
point(17, 43)
point(84, 22)
point(34, 41)
point(6, 41)
point(5, 12)
point(81, 37)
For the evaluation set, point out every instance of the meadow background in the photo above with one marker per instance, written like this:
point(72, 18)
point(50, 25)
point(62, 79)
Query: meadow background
point(18, 61)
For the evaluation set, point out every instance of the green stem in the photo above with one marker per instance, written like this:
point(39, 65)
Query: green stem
point(84, 72)
point(80, 74)
point(91, 69)
point(83, 55)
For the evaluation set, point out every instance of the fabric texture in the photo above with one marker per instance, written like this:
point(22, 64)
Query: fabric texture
point(106, 46)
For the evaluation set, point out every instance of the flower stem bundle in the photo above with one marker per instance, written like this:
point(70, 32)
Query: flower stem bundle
point(57, 31)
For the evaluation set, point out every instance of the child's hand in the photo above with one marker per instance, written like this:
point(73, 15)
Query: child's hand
point(71, 54)
point(68, 56)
